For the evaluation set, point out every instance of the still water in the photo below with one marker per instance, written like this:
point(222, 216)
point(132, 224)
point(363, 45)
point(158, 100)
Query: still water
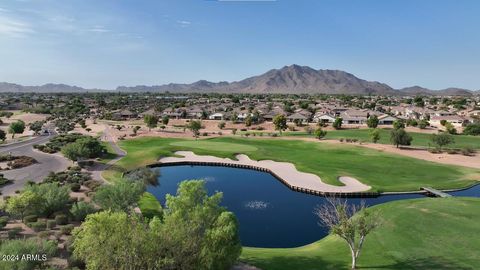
point(269, 213)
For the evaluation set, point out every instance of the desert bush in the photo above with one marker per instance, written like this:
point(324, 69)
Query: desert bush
point(452, 151)
point(3, 221)
point(468, 151)
point(80, 210)
point(30, 218)
point(92, 184)
point(66, 229)
point(61, 219)
point(75, 187)
point(38, 226)
point(44, 234)
point(51, 224)
point(14, 232)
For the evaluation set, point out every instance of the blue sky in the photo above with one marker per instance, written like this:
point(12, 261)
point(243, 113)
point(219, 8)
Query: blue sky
point(93, 43)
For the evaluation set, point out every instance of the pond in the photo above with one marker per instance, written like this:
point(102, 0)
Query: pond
point(269, 213)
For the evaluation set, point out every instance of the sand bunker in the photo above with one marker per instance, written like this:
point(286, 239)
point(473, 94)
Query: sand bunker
point(284, 170)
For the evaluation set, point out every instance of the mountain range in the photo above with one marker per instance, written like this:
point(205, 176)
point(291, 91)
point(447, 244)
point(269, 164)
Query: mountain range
point(289, 79)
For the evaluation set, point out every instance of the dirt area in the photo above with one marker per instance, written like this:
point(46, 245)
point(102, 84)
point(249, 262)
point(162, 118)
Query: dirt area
point(444, 158)
point(25, 117)
point(94, 128)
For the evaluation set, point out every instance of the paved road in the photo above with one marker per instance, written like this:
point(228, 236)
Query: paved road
point(98, 169)
point(37, 172)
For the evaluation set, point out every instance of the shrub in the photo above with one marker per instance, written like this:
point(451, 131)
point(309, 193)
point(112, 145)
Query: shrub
point(3, 221)
point(92, 184)
point(51, 224)
point(452, 151)
point(61, 219)
point(205, 134)
point(80, 210)
point(67, 229)
point(30, 218)
point(259, 128)
point(274, 135)
point(341, 139)
point(468, 151)
point(75, 187)
point(44, 234)
point(38, 226)
point(13, 232)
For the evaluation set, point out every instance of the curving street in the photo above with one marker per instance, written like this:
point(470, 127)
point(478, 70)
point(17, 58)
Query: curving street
point(36, 172)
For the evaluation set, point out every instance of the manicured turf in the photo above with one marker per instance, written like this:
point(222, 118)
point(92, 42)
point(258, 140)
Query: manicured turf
point(150, 206)
point(382, 171)
point(440, 233)
point(219, 146)
point(419, 139)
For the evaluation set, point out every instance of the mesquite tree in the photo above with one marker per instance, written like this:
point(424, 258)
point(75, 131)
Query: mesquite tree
point(352, 223)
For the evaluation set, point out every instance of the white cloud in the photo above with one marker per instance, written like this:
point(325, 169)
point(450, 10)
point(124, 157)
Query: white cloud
point(14, 28)
point(98, 29)
point(184, 23)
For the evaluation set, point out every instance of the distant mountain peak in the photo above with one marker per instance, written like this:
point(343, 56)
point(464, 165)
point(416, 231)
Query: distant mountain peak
point(292, 78)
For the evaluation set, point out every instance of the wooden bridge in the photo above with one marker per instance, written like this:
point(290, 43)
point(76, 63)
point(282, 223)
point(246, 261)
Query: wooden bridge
point(435, 192)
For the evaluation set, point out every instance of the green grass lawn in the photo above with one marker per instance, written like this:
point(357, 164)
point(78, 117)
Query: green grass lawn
point(382, 171)
point(419, 139)
point(150, 206)
point(430, 233)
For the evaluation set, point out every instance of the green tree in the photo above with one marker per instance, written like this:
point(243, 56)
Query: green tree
point(195, 233)
point(375, 135)
point(248, 120)
point(3, 136)
point(83, 148)
point(221, 125)
point(121, 196)
point(165, 120)
point(151, 121)
point(208, 233)
point(412, 122)
point(16, 128)
point(319, 133)
point(337, 124)
point(280, 122)
point(36, 126)
point(398, 124)
point(234, 117)
point(422, 124)
point(442, 139)
point(472, 129)
point(116, 240)
point(450, 128)
point(351, 223)
point(195, 126)
point(54, 198)
point(372, 121)
point(25, 202)
point(143, 175)
point(80, 210)
point(400, 137)
point(136, 129)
